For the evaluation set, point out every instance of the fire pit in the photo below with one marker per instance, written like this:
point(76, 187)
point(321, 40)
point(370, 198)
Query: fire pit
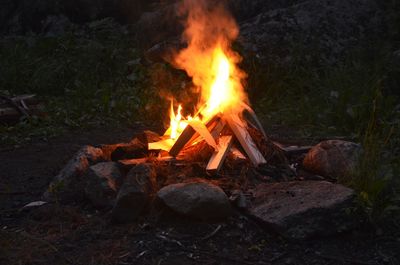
point(204, 162)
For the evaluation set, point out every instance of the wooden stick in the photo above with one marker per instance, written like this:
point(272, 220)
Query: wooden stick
point(195, 148)
point(244, 138)
point(218, 157)
point(215, 129)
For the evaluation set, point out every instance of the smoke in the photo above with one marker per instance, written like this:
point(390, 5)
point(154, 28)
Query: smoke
point(207, 23)
point(208, 27)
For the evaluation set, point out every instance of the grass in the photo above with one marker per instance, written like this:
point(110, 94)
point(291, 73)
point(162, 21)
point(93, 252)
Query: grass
point(92, 77)
point(86, 78)
point(356, 99)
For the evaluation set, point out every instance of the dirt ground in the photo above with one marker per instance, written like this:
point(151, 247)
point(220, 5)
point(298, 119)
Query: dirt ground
point(78, 234)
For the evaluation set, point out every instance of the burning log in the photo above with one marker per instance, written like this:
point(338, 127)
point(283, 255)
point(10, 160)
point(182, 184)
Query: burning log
point(183, 139)
point(238, 128)
point(201, 150)
point(198, 152)
point(188, 135)
point(272, 153)
point(218, 157)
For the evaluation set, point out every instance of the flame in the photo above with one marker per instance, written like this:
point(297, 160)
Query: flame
point(211, 63)
point(177, 123)
point(220, 94)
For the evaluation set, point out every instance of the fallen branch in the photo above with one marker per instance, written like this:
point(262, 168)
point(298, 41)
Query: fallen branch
point(218, 157)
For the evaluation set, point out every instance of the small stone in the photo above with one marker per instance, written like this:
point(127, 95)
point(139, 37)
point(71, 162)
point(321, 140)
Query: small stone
point(302, 209)
point(104, 180)
point(135, 193)
point(333, 158)
point(200, 200)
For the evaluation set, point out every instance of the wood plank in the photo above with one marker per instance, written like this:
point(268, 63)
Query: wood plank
point(187, 136)
point(236, 154)
point(204, 132)
point(215, 129)
point(164, 144)
point(182, 140)
point(218, 157)
point(198, 148)
point(238, 127)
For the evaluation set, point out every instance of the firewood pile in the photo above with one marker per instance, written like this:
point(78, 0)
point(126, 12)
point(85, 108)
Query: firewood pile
point(213, 159)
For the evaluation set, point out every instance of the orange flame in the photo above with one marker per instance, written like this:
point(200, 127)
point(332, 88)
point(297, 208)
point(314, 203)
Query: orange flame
point(210, 61)
point(177, 124)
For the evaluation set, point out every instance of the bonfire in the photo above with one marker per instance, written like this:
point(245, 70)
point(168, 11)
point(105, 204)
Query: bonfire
point(213, 66)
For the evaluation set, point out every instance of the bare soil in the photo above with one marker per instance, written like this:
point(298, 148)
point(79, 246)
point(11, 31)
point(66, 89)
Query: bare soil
point(78, 234)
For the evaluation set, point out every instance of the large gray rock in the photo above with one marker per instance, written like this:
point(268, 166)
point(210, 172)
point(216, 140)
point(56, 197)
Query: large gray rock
point(104, 180)
point(69, 184)
point(333, 158)
point(302, 209)
point(319, 32)
point(200, 200)
point(135, 193)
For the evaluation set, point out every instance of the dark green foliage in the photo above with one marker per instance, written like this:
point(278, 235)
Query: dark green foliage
point(357, 99)
point(86, 77)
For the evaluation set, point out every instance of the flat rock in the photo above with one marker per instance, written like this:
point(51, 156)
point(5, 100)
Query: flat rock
point(135, 193)
point(303, 209)
point(104, 180)
point(199, 200)
point(68, 185)
point(333, 158)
